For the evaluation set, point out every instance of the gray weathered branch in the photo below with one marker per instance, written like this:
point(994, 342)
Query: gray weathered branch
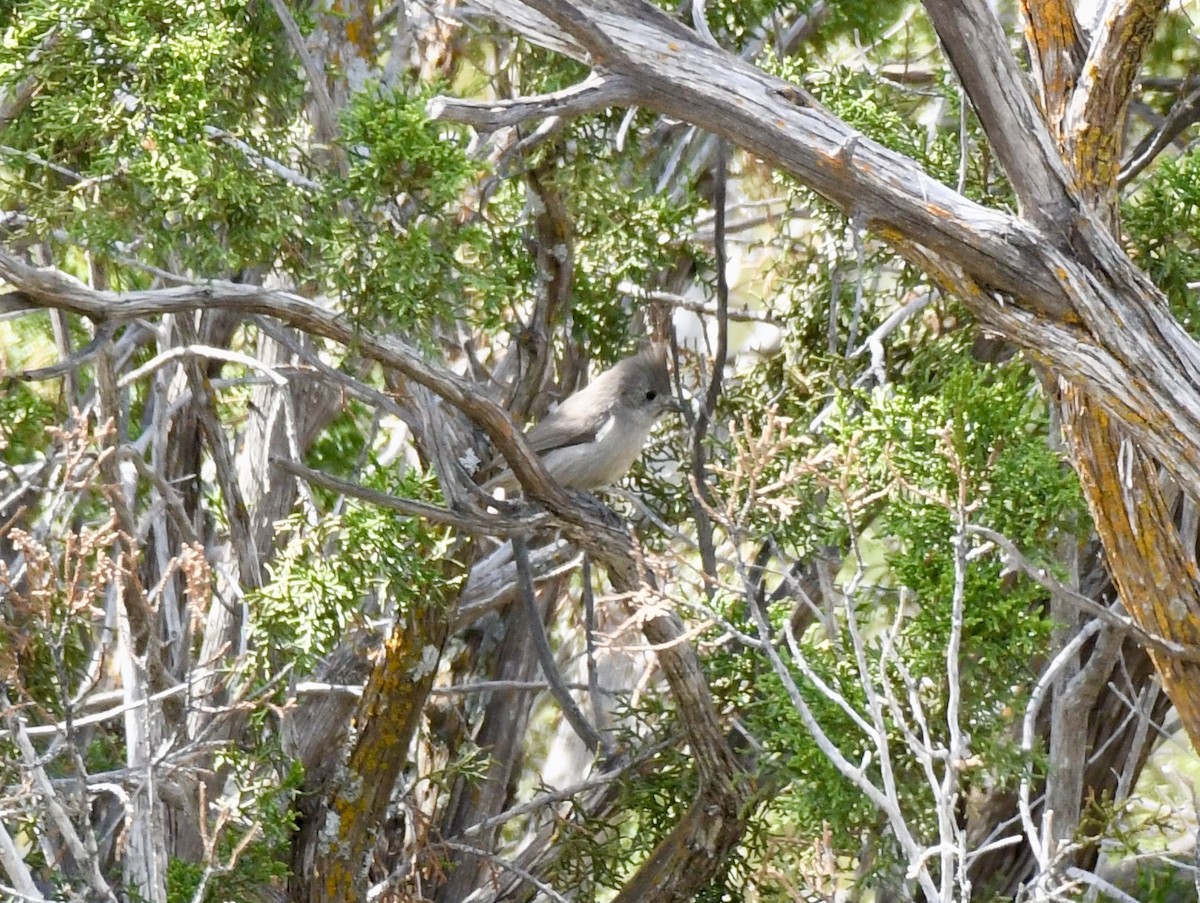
point(592, 94)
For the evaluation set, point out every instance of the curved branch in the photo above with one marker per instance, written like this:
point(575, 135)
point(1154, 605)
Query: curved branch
point(53, 288)
point(1183, 113)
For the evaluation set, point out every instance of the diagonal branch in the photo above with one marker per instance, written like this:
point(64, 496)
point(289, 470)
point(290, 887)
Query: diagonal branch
point(978, 49)
point(541, 643)
point(55, 289)
point(589, 96)
point(327, 124)
point(469, 522)
point(1183, 113)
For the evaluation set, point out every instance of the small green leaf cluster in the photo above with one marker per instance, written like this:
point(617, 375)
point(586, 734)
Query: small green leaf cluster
point(169, 132)
point(402, 249)
point(622, 236)
point(981, 435)
point(1162, 227)
point(366, 562)
point(260, 808)
point(24, 417)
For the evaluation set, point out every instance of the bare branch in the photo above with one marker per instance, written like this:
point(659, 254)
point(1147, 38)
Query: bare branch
point(1039, 843)
point(584, 730)
point(55, 810)
point(1185, 112)
point(1043, 578)
point(202, 351)
point(60, 729)
point(327, 124)
point(284, 172)
point(472, 523)
point(14, 865)
point(508, 866)
point(104, 334)
point(594, 93)
point(737, 314)
point(52, 288)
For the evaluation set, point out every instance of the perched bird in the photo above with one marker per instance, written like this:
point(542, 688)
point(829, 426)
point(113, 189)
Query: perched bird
point(593, 438)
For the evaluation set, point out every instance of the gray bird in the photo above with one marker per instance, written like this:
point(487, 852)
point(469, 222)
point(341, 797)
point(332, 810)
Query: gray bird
point(593, 438)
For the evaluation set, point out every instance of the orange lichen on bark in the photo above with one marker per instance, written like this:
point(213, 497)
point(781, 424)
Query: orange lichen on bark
point(360, 31)
point(1157, 579)
point(1096, 126)
point(1053, 40)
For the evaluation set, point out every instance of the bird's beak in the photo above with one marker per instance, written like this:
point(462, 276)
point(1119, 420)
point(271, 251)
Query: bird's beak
point(675, 405)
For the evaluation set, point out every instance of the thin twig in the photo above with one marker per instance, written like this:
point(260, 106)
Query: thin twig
point(1042, 578)
point(541, 644)
point(596, 92)
point(316, 78)
point(274, 166)
point(498, 525)
point(1184, 113)
point(740, 314)
point(54, 808)
point(1038, 842)
point(521, 873)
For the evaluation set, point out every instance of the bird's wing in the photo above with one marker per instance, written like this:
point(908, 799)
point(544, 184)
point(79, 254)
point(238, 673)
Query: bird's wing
point(563, 429)
point(567, 425)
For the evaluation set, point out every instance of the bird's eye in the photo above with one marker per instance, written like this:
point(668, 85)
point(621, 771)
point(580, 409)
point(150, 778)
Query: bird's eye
point(651, 395)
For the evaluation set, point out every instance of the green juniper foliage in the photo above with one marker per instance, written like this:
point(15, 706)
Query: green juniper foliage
point(1162, 220)
point(367, 562)
point(118, 147)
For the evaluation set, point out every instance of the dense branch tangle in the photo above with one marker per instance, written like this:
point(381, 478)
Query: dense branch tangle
point(715, 823)
point(1051, 279)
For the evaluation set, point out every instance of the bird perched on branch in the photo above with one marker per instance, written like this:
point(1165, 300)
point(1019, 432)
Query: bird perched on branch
point(593, 438)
